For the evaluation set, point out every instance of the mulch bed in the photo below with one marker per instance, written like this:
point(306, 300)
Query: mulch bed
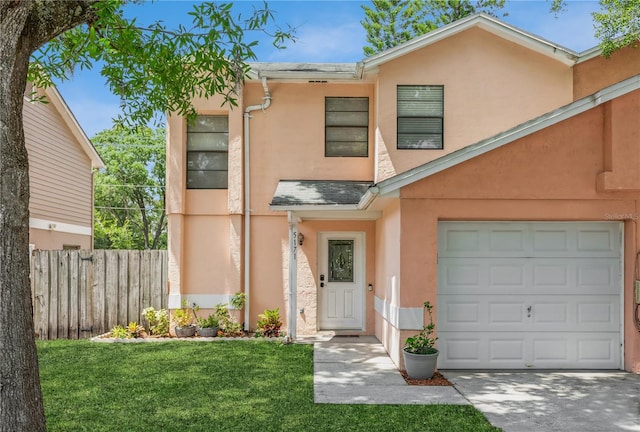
point(436, 380)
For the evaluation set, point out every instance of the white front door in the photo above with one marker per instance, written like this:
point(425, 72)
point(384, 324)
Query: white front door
point(341, 270)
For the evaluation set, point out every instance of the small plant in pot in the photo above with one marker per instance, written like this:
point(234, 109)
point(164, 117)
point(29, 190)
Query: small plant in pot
point(209, 326)
point(420, 354)
point(183, 319)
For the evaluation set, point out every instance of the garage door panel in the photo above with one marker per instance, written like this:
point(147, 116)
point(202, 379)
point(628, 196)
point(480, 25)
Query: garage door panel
point(539, 239)
point(525, 275)
point(513, 350)
point(529, 295)
point(474, 312)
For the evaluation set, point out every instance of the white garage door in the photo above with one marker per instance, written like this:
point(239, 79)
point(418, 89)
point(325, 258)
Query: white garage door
point(529, 295)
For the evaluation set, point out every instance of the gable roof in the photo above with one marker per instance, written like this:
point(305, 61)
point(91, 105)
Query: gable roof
point(70, 120)
point(393, 184)
point(355, 71)
point(485, 22)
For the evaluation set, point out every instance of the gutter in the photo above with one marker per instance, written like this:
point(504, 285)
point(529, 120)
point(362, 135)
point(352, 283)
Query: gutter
point(247, 199)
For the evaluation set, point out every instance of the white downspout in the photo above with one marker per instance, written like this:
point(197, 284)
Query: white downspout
point(292, 288)
point(247, 199)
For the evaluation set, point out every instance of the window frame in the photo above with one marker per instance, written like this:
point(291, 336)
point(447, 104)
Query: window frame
point(225, 152)
point(327, 126)
point(430, 117)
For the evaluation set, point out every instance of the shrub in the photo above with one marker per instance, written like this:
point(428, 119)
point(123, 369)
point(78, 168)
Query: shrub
point(238, 300)
point(228, 327)
point(133, 330)
point(158, 321)
point(269, 323)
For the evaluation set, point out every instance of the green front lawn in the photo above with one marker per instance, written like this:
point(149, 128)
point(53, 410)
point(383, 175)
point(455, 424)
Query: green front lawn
point(225, 386)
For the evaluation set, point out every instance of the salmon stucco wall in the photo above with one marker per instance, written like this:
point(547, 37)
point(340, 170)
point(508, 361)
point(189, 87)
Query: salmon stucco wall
point(548, 176)
point(287, 140)
point(387, 292)
point(591, 75)
point(205, 226)
point(485, 83)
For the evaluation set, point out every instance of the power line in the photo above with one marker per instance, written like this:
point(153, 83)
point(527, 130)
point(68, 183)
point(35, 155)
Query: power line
point(129, 208)
point(129, 185)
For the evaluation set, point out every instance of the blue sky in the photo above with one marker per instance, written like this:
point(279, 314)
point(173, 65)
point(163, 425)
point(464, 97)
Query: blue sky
point(327, 31)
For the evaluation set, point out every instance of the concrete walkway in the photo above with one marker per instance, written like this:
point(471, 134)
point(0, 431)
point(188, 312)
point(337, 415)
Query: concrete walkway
point(357, 370)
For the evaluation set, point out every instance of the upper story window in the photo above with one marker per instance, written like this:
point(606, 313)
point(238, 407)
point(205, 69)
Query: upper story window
point(346, 127)
point(208, 152)
point(420, 116)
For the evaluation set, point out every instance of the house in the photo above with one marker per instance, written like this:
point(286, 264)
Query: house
point(480, 167)
point(61, 164)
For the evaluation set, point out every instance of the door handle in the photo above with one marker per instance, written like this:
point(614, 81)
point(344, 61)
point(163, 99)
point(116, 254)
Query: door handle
point(529, 312)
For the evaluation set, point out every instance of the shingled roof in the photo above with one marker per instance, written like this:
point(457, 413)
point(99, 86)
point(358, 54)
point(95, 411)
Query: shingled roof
point(291, 193)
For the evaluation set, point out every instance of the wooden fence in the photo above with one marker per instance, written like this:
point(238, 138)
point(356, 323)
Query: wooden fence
point(79, 294)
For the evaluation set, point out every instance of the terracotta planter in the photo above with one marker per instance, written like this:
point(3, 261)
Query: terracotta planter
point(208, 331)
point(187, 331)
point(420, 366)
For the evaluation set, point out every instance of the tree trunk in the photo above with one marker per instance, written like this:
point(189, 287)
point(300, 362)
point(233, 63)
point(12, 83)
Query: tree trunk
point(24, 26)
point(21, 407)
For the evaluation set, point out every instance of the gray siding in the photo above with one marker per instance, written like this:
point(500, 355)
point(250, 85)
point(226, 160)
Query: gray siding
point(59, 169)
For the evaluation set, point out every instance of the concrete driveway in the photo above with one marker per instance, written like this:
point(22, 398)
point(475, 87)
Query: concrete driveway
point(555, 401)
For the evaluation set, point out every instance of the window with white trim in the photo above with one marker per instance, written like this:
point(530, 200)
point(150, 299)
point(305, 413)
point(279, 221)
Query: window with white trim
point(208, 152)
point(420, 116)
point(346, 127)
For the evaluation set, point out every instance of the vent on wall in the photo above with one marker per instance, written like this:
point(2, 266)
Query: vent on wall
point(318, 81)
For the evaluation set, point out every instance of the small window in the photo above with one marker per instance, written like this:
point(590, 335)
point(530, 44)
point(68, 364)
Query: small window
point(208, 153)
point(346, 127)
point(70, 247)
point(420, 116)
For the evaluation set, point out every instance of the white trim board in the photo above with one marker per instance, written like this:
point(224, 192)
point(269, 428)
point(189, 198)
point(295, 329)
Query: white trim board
point(49, 225)
point(204, 301)
point(399, 317)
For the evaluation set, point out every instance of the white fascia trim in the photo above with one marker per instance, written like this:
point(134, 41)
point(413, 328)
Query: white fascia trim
point(486, 22)
point(368, 198)
point(320, 207)
point(49, 225)
point(544, 121)
point(589, 54)
point(339, 215)
point(400, 318)
point(204, 301)
point(72, 123)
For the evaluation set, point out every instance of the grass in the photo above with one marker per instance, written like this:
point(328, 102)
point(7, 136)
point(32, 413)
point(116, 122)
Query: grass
point(225, 386)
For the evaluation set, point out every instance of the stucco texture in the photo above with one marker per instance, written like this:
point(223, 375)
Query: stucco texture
point(550, 175)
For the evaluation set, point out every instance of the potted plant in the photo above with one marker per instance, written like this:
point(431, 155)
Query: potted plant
point(420, 354)
point(209, 326)
point(183, 319)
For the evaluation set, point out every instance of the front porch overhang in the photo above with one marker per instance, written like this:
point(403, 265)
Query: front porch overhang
point(325, 199)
